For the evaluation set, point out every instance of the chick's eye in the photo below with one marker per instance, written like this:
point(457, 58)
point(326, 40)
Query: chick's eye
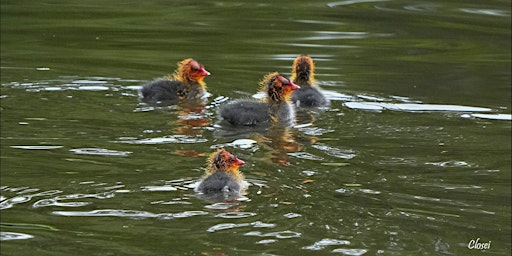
point(195, 68)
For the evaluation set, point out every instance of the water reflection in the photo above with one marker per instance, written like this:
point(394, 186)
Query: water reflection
point(412, 107)
point(240, 143)
point(192, 121)
point(65, 83)
point(37, 147)
point(6, 236)
point(322, 244)
point(23, 195)
point(278, 143)
point(335, 152)
point(129, 214)
point(235, 215)
point(164, 139)
point(159, 189)
point(99, 151)
point(279, 235)
point(306, 141)
point(224, 206)
point(490, 12)
point(224, 226)
point(351, 2)
point(491, 116)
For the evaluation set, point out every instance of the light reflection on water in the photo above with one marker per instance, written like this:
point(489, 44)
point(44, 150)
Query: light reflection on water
point(5, 236)
point(436, 209)
point(128, 214)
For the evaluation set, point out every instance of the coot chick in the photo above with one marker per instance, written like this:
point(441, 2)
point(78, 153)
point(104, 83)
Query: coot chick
point(276, 107)
point(222, 177)
point(185, 84)
point(303, 74)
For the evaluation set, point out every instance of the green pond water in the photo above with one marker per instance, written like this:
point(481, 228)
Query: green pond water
point(413, 156)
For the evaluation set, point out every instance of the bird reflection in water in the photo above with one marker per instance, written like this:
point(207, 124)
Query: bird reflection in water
point(278, 141)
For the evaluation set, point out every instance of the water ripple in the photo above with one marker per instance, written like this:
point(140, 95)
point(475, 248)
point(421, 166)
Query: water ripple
point(74, 83)
point(506, 117)
point(423, 7)
point(306, 155)
point(128, 213)
point(451, 163)
point(333, 95)
point(412, 107)
point(313, 131)
point(279, 235)
point(174, 201)
point(352, 191)
point(332, 35)
point(54, 202)
point(354, 252)
point(335, 152)
point(220, 206)
point(292, 215)
point(235, 215)
point(324, 22)
point(192, 116)
point(10, 202)
point(322, 46)
point(159, 188)
point(455, 186)
point(266, 241)
point(239, 143)
point(350, 2)
point(99, 151)
point(37, 147)
point(5, 236)
point(223, 226)
point(322, 244)
point(491, 12)
point(477, 211)
point(57, 200)
point(182, 139)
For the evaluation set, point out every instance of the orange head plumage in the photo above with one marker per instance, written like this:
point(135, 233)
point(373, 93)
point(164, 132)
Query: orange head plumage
point(190, 71)
point(303, 70)
point(277, 87)
point(223, 161)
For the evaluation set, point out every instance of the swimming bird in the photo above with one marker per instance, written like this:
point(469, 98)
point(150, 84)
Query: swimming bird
point(303, 74)
point(185, 84)
point(222, 178)
point(275, 108)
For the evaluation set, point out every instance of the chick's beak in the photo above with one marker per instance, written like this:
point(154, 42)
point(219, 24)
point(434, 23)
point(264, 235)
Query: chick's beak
point(239, 162)
point(294, 87)
point(204, 72)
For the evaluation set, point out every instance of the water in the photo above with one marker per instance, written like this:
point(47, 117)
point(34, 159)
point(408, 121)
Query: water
point(412, 157)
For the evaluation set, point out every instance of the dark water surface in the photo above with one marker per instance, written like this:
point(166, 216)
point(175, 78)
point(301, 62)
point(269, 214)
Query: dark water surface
point(412, 157)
